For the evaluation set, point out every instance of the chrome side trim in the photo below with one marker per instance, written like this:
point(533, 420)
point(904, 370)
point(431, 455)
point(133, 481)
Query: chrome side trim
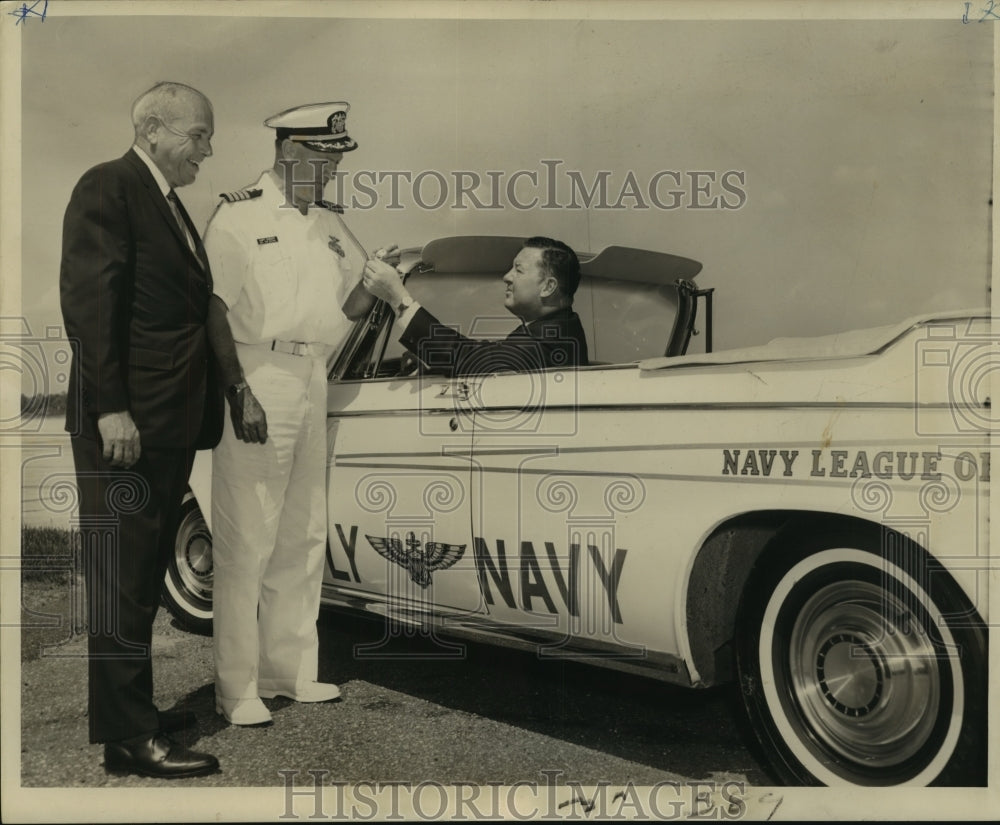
point(665, 667)
point(679, 406)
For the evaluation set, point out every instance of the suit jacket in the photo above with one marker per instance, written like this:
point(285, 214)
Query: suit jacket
point(554, 340)
point(134, 300)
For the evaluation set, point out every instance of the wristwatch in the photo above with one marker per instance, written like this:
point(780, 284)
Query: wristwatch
point(235, 389)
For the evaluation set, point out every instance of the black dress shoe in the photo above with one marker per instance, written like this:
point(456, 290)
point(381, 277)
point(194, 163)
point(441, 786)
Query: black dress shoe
point(160, 757)
point(175, 720)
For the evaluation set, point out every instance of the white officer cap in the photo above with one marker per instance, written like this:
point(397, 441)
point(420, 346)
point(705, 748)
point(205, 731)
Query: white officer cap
point(321, 127)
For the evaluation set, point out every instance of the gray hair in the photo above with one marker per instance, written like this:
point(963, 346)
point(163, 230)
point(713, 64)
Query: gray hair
point(164, 100)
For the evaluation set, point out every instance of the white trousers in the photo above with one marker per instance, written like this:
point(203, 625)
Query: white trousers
point(269, 530)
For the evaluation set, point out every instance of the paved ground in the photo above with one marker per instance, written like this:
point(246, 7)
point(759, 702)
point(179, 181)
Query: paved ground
point(492, 716)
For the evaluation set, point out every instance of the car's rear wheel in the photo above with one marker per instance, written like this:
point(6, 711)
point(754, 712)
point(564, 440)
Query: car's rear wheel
point(187, 587)
point(860, 662)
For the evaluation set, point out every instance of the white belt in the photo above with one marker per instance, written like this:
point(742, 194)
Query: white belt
point(300, 348)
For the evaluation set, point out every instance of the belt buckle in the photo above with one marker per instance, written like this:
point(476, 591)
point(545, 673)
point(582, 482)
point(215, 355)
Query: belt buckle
point(300, 348)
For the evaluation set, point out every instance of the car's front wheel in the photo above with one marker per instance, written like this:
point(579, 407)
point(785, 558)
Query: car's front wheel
point(861, 662)
point(187, 587)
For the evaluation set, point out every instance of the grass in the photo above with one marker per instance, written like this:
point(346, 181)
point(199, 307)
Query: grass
point(49, 554)
point(50, 576)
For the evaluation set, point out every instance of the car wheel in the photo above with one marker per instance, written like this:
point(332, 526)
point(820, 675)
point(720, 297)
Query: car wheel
point(187, 587)
point(862, 665)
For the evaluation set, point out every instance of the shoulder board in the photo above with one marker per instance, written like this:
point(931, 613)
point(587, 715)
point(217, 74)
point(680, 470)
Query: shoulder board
point(333, 207)
point(241, 195)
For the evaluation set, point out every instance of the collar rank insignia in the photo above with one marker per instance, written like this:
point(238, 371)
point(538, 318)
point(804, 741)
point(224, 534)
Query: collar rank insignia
point(241, 195)
point(333, 207)
point(418, 560)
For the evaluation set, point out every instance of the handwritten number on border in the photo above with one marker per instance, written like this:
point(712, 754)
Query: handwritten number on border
point(990, 10)
point(38, 10)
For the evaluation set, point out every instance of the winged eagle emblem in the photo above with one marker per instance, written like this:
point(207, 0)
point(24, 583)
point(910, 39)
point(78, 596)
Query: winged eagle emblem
point(418, 559)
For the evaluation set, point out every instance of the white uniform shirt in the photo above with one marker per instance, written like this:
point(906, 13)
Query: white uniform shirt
point(275, 270)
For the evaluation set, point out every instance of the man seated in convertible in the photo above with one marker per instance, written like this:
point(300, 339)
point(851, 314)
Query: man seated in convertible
point(540, 286)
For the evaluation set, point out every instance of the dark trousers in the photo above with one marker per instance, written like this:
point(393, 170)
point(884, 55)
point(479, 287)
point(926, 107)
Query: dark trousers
point(128, 521)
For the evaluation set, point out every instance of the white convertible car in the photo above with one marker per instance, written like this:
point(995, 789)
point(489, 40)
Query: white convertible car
point(807, 519)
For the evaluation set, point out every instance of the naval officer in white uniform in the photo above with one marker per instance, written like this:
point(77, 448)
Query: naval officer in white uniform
point(284, 299)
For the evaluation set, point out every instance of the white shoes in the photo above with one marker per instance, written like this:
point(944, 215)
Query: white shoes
point(250, 713)
point(304, 692)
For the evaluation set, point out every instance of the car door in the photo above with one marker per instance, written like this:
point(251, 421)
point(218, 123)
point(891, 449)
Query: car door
point(549, 559)
point(398, 495)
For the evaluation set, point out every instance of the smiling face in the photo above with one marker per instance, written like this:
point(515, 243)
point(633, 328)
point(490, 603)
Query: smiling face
point(528, 284)
point(181, 139)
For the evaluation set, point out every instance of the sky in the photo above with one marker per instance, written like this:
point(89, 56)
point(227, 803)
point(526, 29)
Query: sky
point(830, 175)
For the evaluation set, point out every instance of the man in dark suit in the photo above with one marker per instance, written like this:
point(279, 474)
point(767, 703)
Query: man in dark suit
point(539, 290)
point(135, 286)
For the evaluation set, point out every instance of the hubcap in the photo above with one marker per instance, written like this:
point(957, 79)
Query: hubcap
point(849, 674)
point(194, 558)
point(865, 677)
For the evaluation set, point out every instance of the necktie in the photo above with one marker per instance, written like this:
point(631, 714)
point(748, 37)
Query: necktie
point(175, 207)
